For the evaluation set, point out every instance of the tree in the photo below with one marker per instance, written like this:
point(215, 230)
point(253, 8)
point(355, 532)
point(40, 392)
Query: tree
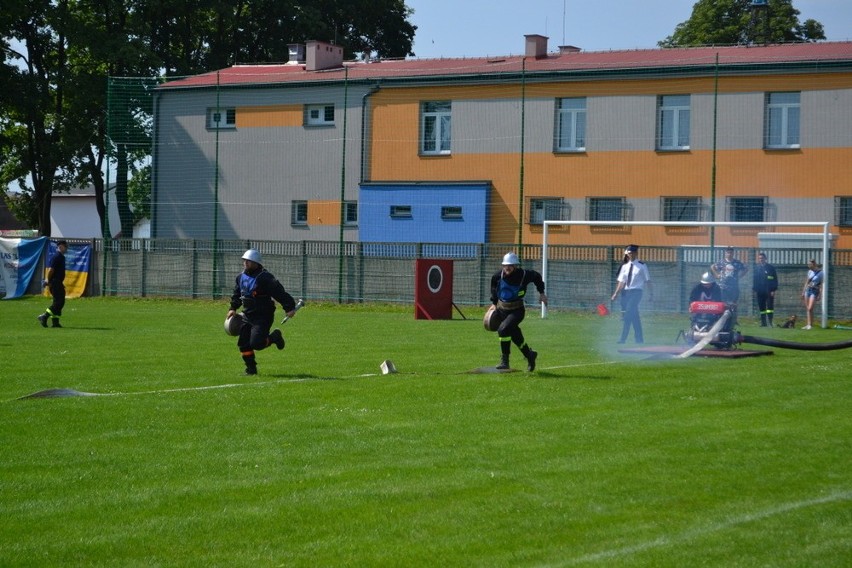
point(735, 22)
point(53, 96)
point(58, 54)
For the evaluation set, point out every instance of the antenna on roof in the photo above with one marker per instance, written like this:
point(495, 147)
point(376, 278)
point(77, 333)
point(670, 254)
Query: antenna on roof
point(564, 3)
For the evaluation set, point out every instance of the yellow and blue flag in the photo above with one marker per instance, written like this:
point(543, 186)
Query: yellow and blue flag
point(77, 259)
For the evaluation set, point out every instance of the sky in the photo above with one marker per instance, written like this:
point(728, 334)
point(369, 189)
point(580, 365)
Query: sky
point(482, 28)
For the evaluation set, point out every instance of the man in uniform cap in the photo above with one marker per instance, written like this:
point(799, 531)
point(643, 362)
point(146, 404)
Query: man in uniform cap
point(632, 278)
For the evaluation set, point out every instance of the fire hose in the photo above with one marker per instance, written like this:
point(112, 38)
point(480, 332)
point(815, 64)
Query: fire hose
point(793, 345)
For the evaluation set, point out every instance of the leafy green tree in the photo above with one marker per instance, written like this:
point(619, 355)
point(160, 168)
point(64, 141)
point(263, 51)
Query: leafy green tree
point(58, 54)
point(32, 103)
point(57, 57)
point(732, 22)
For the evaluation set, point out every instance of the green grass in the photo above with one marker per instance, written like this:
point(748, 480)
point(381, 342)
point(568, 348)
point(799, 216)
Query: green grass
point(596, 459)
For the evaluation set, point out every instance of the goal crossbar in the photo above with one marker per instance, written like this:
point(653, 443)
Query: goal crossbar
point(817, 224)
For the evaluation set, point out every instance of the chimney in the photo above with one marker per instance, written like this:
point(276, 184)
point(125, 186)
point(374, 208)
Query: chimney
point(563, 49)
point(296, 53)
point(536, 46)
point(321, 55)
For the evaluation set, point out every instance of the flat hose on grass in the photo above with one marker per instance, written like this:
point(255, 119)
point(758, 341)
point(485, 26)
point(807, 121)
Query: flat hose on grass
point(793, 345)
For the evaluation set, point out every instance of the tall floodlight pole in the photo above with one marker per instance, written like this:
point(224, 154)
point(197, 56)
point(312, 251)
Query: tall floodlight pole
point(342, 189)
point(216, 193)
point(521, 182)
point(713, 167)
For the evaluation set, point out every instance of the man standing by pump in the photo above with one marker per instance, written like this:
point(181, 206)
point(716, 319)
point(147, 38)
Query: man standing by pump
point(764, 284)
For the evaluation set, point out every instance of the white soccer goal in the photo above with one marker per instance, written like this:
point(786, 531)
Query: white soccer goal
point(694, 224)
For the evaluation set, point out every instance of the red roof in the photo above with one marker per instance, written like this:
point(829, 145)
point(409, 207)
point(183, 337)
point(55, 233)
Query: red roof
point(580, 61)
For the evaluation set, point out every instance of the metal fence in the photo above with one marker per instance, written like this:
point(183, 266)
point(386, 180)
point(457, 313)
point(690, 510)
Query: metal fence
point(579, 277)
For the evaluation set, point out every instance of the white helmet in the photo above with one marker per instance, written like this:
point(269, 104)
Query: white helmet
point(707, 278)
point(511, 258)
point(252, 255)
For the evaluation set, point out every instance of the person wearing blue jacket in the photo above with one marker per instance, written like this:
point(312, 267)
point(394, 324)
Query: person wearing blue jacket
point(256, 291)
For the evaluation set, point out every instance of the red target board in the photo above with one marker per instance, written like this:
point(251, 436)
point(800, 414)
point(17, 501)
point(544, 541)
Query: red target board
point(433, 289)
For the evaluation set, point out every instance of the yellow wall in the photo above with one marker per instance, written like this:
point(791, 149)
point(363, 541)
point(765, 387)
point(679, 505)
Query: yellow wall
point(269, 116)
point(324, 213)
point(632, 174)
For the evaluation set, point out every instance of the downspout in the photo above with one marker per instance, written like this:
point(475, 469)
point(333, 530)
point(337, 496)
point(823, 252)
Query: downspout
point(364, 112)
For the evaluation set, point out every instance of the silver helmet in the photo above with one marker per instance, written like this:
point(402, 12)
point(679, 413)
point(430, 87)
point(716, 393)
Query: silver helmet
point(707, 278)
point(511, 258)
point(253, 255)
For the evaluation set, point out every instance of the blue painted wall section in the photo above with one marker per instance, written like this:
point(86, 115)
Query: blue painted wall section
point(427, 222)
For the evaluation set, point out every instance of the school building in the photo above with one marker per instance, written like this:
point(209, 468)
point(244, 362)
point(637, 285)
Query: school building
point(483, 150)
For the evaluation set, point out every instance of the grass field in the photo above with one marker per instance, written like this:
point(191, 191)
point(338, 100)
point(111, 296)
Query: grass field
point(596, 459)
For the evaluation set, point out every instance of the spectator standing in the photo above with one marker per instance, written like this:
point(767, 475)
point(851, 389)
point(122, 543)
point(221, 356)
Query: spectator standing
point(764, 284)
point(728, 272)
point(632, 278)
point(812, 290)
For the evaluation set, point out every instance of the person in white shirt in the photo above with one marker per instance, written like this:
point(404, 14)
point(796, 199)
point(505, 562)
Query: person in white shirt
point(633, 277)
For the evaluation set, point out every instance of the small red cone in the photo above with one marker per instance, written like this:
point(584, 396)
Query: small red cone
point(603, 310)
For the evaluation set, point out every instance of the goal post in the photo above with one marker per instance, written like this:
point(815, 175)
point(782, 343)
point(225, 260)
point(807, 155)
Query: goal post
point(824, 226)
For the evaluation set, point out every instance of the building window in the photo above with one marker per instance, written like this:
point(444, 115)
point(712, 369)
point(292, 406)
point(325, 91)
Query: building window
point(350, 213)
point(681, 208)
point(782, 120)
point(747, 209)
point(673, 122)
point(319, 115)
point(571, 125)
point(435, 127)
point(451, 212)
point(548, 209)
point(400, 211)
point(221, 118)
point(606, 209)
point(299, 213)
point(843, 211)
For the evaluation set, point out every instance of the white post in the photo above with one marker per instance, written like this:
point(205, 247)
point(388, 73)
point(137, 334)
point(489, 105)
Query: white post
point(544, 267)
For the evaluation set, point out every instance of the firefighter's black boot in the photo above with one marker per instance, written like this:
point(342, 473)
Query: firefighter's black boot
point(531, 357)
point(504, 361)
point(251, 364)
point(55, 322)
point(762, 320)
point(42, 319)
point(276, 338)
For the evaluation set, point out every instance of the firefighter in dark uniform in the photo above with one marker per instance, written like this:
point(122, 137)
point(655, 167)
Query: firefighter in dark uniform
point(765, 284)
point(508, 290)
point(55, 282)
point(256, 290)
